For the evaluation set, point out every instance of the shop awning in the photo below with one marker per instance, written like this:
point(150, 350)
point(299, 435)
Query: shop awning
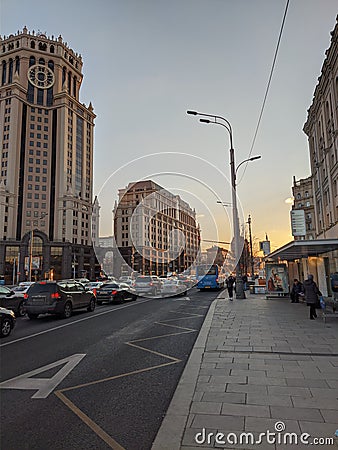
point(302, 249)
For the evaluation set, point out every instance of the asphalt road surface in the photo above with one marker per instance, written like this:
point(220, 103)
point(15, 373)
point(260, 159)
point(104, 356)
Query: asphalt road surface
point(98, 380)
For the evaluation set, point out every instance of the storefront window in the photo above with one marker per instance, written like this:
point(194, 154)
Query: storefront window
point(56, 263)
point(11, 264)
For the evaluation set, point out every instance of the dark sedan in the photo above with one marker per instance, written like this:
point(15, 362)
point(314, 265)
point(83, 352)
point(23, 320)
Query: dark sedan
point(115, 293)
point(12, 300)
point(7, 322)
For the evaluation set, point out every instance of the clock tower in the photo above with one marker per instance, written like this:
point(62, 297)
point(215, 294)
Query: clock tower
point(46, 155)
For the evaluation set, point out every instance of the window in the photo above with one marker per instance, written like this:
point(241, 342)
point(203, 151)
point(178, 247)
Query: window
point(10, 70)
point(4, 69)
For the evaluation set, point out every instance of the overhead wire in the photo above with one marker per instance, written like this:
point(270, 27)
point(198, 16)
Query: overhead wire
point(267, 88)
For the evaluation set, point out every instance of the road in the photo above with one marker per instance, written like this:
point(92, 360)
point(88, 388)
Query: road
point(98, 380)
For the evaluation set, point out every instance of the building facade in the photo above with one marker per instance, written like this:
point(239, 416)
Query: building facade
point(319, 255)
point(303, 200)
point(46, 160)
point(321, 128)
point(216, 255)
point(155, 231)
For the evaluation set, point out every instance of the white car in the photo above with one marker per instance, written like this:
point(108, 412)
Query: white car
point(26, 283)
point(148, 284)
point(93, 286)
point(173, 287)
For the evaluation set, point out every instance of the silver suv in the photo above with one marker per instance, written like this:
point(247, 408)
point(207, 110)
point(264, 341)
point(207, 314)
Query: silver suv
point(148, 284)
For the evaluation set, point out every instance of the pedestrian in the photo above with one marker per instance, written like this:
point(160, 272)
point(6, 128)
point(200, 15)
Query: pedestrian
point(296, 291)
point(245, 282)
point(312, 294)
point(230, 286)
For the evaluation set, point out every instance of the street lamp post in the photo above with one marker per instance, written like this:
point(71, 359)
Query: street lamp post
point(251, 252)
point(240, 294)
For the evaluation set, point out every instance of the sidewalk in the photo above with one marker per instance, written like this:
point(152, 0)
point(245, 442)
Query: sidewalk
point(256, 362)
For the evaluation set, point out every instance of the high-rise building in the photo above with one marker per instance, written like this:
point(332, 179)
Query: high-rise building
point(155, 231)
point(46, 159)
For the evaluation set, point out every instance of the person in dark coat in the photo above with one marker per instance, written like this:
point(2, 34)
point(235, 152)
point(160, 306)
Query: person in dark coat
point(230, 286)
point(311, 292)
point(245, 282)
point(296, 291)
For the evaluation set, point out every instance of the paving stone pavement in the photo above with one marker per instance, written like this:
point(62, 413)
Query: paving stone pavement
point(258, 364)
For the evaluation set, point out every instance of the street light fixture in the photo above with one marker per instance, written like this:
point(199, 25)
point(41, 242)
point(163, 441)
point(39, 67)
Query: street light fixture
point(240, 294)
point(247, 160)
point(224, 203)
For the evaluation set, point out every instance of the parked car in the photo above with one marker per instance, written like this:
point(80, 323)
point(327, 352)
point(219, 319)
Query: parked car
point(115, 293)
point(94, 286)
point(186, 280)
point(127, 280)
point(7, 321)
point(82, 280)
point(26, 283)
point(172, 288)
point(57, 297)
point(14, 300)
point(148, 284)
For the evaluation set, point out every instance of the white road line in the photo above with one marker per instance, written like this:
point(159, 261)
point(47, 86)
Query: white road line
point(71, 323)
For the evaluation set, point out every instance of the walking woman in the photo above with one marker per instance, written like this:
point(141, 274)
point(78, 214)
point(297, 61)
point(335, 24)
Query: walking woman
point(311, 292)
point(230, 286)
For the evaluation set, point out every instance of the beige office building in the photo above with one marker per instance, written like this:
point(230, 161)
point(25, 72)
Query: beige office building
point(46, 157)
point(155, 231)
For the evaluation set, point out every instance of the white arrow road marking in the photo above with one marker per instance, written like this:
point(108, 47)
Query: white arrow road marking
point(44, 386)
point(181, 299)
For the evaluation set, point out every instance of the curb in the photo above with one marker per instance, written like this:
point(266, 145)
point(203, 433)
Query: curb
point(171, 431)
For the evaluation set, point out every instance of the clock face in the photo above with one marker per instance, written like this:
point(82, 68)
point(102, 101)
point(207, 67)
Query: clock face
point(41, 76)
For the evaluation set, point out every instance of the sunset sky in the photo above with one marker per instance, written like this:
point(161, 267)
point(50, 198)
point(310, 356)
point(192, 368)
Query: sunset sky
point(148, 61)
